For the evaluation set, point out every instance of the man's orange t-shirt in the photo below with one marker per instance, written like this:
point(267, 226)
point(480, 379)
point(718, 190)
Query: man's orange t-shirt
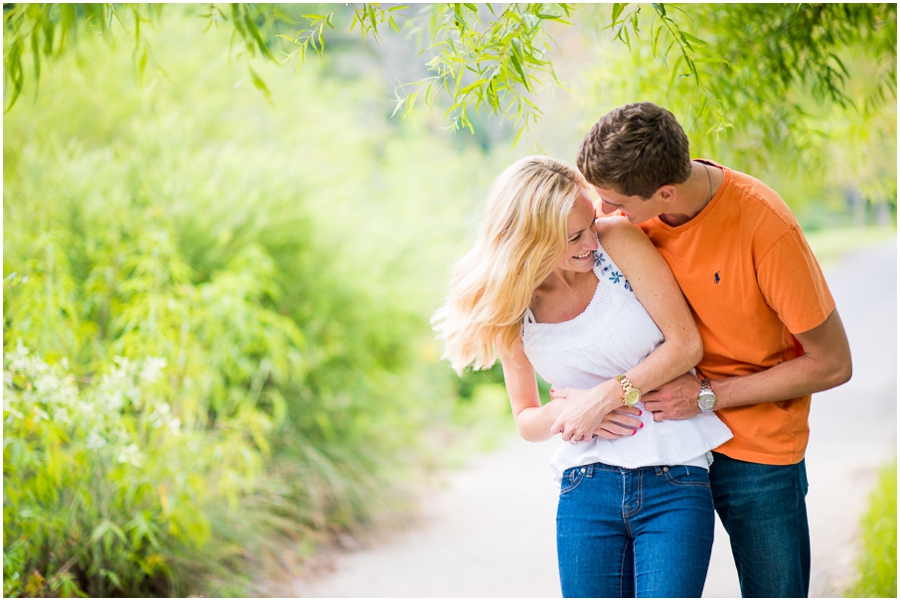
point(750, 279)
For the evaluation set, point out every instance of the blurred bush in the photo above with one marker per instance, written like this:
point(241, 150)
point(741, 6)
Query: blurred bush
point(877, 562)
point(216, 315)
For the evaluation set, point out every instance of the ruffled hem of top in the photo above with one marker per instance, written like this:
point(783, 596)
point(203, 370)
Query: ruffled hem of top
point(701, 433)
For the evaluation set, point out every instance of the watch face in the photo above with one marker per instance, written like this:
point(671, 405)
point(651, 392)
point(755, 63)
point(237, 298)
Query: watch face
point(706, 401)
point(632, 397)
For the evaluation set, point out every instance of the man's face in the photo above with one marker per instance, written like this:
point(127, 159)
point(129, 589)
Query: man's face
point(635, 208)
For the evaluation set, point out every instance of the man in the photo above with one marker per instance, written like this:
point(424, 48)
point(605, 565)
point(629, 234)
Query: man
point(771, 334)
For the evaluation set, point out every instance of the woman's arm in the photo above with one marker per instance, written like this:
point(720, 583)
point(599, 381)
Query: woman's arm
point(656, 289)
point(533, 420)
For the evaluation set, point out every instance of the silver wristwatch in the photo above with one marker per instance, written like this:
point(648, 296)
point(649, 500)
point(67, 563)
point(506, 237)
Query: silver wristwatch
point(706, 400)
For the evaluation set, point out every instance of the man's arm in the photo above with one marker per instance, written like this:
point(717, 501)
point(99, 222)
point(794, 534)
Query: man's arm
point(825, 364)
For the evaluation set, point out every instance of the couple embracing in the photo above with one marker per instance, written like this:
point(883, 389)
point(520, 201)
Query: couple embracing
point(683, 337)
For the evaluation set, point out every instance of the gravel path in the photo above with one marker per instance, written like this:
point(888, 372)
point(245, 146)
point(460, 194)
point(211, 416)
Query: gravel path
point(490, 531)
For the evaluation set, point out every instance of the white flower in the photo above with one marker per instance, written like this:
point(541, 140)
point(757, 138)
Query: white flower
point(95, 441)
point(131, 454)
point(152, 368)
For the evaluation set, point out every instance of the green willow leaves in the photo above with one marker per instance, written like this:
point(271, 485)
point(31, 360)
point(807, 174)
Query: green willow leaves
point(492, 58)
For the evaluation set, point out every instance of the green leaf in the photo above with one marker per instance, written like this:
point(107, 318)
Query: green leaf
point(257, 36)
point(519, 133)
point(655, 45)
point(112, 577)
point(675, 68)
point(260, 85)
point(105, 527)
point(35, 51)
point(516, 64)
point(697, 41)
point(711, 60)
point(472, 86)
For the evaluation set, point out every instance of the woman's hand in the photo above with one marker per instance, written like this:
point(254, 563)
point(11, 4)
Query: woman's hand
point(585, 409)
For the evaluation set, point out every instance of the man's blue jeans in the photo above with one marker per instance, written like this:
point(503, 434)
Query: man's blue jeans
point(645, 532)
point(763, 509)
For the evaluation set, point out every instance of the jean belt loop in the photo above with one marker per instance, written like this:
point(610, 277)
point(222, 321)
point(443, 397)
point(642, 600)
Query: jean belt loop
point(590, 470)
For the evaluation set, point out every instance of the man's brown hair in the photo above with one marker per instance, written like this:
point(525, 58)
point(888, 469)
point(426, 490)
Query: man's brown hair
point(635, 149)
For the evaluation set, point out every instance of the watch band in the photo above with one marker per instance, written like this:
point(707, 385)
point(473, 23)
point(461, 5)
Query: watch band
point(630, 394)
point(706, 400)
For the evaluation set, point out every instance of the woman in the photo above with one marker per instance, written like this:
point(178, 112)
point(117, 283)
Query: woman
point(596, 311)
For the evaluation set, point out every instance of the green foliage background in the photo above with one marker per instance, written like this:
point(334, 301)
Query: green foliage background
point(274, 266)
point(878, 561)
point(218, 278)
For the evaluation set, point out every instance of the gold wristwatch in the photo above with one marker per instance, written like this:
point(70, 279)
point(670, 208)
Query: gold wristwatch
point(630, 394)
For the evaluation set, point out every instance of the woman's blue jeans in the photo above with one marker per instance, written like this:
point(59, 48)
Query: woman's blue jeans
point(644, 532)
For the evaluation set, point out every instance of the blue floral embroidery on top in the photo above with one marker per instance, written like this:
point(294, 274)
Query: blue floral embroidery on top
point(615, 276)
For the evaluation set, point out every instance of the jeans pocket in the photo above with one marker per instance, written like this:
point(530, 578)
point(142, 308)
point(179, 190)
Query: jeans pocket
point(684, 475)
point(571, 478)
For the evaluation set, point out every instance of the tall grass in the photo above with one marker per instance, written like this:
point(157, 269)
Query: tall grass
point(215, 315)
point(878, 561)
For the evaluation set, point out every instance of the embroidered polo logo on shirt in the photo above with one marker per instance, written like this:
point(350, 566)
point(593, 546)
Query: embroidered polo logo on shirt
point(717, 277)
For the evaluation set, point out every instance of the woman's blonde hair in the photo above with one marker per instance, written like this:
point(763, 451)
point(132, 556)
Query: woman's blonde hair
point(523, 235)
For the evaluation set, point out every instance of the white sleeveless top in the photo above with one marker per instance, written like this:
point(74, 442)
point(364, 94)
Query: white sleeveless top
point(611, 336)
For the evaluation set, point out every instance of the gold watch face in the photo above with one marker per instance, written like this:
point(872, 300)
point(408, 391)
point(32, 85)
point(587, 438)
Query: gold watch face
point(632, 397)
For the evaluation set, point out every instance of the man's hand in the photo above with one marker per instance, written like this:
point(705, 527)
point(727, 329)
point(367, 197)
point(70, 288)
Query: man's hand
point(585, 409)
point(674, 400)
point(619, 423)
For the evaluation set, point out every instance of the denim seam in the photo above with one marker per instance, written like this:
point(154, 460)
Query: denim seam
point(637, 475)
point(672, 480)
point(574, 482)
point(623, 555)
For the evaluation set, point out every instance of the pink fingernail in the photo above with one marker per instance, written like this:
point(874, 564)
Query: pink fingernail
point(633, 433)
point(642, 425)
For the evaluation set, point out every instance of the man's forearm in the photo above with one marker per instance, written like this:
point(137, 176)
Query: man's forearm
point(789, 380)
point(825, 364)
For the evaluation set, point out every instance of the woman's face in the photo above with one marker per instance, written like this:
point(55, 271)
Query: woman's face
point(581, 241)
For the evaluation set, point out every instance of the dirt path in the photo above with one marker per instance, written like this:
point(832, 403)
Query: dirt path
point(490, 531)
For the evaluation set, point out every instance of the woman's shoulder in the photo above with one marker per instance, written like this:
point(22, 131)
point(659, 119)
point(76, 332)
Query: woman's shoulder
point(615, 230)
